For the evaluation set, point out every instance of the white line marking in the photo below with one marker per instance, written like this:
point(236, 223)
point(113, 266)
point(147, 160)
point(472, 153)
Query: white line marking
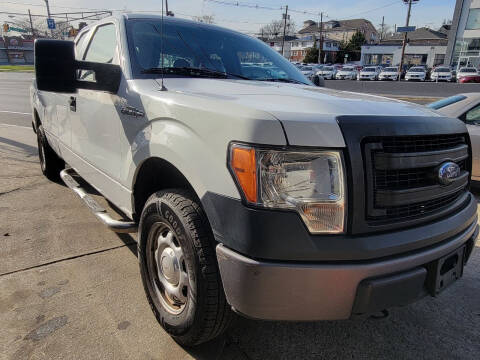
point(14, 112)
point(19, 126)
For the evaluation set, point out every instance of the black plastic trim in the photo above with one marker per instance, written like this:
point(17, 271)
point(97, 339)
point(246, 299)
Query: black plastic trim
point(282, 235)
point(389, 161)
point(356, 130)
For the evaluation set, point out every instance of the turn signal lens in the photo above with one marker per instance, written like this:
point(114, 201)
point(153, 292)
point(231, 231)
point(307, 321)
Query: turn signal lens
point(243, 164)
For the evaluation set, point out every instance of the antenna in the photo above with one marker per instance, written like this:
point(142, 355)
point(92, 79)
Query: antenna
point(163, 88)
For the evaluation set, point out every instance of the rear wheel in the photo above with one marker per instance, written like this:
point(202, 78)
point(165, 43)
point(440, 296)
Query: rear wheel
point(50, 163)
point(179, 268)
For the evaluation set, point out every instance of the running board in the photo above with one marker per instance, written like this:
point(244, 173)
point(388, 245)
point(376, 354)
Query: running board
point(118, 226)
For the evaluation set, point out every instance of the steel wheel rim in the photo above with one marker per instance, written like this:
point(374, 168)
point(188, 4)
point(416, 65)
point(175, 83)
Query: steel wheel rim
point(167, 269)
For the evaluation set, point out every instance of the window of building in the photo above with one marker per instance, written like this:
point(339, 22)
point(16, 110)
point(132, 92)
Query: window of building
point(473, 21)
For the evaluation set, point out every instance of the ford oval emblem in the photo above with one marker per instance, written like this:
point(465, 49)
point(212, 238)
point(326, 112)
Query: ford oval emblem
point(448, 172)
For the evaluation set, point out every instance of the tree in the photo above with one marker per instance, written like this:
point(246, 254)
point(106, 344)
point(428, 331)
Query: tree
point(207, 19)
point(275, 29)
point(352, 48)
point(40, 27)
point(311, 56)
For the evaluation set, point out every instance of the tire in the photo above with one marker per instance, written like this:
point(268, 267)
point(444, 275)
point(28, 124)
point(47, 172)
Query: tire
point(50, 163)
point(195, 309)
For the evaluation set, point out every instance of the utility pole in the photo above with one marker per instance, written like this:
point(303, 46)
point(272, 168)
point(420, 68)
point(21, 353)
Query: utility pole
point(383, 26)
point(320, 44)
point(31, 23)
point(48, 13)
point(400, 69)
point(284, 29)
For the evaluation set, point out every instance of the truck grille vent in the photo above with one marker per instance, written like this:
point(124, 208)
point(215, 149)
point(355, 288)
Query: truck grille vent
point(402, 176)
point(409, 144)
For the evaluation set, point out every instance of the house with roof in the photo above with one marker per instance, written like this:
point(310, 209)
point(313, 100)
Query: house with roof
point(424, 47)
point(341, 30)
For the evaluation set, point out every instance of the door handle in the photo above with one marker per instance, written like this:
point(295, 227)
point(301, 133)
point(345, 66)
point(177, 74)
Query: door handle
point(73, 103)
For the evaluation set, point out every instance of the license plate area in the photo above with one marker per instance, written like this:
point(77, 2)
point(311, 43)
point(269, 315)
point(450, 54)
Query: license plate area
point(444, 271)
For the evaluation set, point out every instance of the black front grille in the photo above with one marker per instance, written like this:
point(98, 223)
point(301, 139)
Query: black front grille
point(407, 178)
point(399, 192)
point(409, 144)
point(423, 208)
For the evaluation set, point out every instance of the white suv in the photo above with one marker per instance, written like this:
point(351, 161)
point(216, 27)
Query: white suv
point(252, 190)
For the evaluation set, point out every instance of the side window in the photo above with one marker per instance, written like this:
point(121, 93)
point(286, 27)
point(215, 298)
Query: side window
point(101, 49)
point(473, 116)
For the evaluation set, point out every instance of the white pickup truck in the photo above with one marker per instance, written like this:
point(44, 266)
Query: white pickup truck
point(251, 189)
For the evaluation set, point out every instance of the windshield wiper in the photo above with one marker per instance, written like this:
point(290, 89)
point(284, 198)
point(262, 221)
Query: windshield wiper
point(293, 81)
point(192, 71)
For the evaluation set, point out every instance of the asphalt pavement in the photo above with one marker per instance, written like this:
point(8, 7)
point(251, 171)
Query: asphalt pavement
point(71, 289)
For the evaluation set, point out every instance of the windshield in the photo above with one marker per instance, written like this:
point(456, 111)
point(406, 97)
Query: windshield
point(307, 68)
point(347, 68)
point(442, 70)
point(468, 70)
point(417, 69)
point(390, 69)
point(447, 101)
point(369, 69)
point(189, 45)
point(328, 68)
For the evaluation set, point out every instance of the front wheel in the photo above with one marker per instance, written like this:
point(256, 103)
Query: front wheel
point(50, 163)
point(179, 268)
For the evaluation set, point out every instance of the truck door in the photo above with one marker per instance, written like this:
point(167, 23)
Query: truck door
point(95, 122)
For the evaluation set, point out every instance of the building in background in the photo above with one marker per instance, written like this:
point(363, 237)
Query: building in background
point(464, 38)
point(341, 30)
point(425, 47)
point(16, 49)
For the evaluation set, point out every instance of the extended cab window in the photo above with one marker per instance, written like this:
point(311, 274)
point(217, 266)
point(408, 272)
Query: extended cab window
point(101, 49)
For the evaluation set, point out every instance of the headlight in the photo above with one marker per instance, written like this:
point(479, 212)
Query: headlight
point(309, 182)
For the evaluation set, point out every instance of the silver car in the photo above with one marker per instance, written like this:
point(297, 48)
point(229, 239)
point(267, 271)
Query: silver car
point(466, 107)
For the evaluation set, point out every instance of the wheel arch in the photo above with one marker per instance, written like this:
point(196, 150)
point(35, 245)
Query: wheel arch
point(152, 175)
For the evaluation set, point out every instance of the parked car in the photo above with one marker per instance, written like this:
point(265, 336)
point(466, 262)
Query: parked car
point(328, 72)
point(388, 73)
point(265, 196)
point(347, 72)
point(469, 79)
point(466, 71)
point(416, 73)
point(369, 73)
point(308, 71)
point(441, 73)
point(465, 107)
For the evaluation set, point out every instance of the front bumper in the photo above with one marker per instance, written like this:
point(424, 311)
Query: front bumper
point(329, 290)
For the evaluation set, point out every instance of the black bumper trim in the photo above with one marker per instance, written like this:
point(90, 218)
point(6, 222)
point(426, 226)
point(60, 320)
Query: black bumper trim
point(282, 235)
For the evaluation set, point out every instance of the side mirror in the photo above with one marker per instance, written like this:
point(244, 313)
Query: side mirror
point(318, 80)
point(56, 69)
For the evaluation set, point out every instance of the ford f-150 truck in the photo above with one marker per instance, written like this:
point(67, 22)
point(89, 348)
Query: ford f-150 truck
point(252, 190)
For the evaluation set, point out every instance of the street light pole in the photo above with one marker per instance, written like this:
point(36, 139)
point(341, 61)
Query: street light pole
point(31, 23)
point(320, 45)
point(284, 30)
point(48, 13)
point(400, 69)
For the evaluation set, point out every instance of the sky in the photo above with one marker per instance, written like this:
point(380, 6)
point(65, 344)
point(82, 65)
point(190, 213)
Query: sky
point(252, 15)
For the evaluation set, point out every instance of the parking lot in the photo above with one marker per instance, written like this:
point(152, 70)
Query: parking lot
point(71, 289)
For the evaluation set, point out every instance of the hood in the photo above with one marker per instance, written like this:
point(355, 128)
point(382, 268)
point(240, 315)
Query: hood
point(368, 72)
point(345, 71)
point(308, 113)
point(388, 73)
